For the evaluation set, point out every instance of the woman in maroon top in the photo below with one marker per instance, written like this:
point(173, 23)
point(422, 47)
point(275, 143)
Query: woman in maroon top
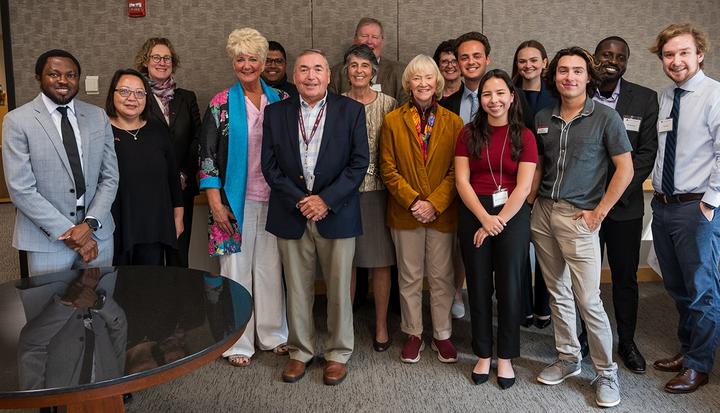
point(495, 160)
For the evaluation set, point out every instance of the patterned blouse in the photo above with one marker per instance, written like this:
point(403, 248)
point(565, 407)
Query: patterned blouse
point(375, 112)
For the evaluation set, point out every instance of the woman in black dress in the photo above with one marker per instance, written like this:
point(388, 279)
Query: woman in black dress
point(148, 208)
point(176, 109)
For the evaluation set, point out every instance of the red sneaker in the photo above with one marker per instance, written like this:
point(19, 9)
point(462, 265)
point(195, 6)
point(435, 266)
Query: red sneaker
point(445, 349)
point(411, 350)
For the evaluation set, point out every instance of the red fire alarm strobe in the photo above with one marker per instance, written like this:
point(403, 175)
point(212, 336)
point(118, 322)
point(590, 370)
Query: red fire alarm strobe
point(136, 8)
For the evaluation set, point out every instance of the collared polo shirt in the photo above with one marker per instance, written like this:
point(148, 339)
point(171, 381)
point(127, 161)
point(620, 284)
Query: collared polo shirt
point(575, 155)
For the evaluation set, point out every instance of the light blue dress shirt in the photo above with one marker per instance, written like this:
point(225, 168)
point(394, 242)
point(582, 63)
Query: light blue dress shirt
point(697, 158)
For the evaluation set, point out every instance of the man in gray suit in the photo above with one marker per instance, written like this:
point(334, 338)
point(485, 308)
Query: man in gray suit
point(61, 172)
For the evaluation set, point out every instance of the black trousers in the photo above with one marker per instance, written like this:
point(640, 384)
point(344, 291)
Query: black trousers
point(622, 240)
point(535, 299)
point(179, 257)
point(497, 266)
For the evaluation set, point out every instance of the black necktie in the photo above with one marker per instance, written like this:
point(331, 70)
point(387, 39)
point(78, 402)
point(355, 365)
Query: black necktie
point(71, 149)
point(668, 171)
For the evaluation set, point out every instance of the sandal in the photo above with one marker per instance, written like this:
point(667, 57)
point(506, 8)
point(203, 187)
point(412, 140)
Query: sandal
point(238, 360)
point(281, 349)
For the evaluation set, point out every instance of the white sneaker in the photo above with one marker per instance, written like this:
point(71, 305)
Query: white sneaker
point(458, 308)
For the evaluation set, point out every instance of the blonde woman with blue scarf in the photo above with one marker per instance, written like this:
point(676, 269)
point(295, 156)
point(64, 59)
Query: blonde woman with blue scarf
point(237, 194)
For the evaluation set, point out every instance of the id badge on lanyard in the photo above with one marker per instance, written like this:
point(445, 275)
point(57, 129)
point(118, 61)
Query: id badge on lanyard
point(499, 197)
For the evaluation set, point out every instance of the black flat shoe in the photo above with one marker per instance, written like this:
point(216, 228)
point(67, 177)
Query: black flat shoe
point(505, 382)
point(478, 378)
point(380, 347)
point(527, 322)
point(541, 323)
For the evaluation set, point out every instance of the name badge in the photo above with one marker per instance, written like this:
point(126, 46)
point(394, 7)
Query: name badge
point(500, 197)
point(542, 129)
point(371, 169)
point(632, 123)
point(665, 125)
point(376, 87)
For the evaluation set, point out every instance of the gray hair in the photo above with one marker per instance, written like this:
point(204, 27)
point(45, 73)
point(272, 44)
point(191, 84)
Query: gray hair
point(361, 51)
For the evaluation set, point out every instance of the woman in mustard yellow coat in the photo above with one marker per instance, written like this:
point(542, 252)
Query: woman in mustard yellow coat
point(417, 150)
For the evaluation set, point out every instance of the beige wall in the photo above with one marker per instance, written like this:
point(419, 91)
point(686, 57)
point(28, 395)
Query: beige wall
point(105, 39)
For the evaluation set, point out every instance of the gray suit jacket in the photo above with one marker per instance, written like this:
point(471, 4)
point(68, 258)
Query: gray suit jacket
point(39, 178)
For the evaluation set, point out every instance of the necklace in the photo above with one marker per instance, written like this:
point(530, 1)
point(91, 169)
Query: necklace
point(134, 135)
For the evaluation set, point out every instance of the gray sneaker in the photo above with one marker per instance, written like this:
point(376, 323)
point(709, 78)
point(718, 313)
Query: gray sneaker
point(607, 389)
point(558, 371)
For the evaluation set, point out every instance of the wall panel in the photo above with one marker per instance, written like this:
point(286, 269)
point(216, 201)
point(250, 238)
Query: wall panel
point(334, 25)
point(584, 23)
point(423, 24)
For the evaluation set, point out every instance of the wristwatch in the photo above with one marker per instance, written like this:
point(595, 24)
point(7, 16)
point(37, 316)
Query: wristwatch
point(93, 223)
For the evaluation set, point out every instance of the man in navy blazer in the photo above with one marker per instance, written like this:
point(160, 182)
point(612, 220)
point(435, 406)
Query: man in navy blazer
point(622, 228)
point(314, 157)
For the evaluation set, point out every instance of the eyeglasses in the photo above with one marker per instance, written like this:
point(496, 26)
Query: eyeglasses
point(446, 62)
point(277, 61)
point(139, 94)
point(157, 58)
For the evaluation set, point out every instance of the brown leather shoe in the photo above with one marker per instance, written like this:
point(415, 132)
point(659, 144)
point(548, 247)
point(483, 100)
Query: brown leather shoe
point(294, 370)
point(687, 381)
point(672, 364)
point(334, 373)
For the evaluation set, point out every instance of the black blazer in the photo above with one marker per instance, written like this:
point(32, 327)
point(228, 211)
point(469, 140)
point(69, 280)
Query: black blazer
point(341, 166)
point(640, 102)
point(184, 131)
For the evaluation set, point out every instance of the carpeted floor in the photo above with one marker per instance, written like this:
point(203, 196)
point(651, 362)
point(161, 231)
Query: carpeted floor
point(379, 382)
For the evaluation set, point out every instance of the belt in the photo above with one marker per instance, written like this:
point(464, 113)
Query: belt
point(676, 199)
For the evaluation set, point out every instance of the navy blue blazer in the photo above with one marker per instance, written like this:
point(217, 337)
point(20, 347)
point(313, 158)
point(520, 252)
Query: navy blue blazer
point(340, 169)
point(641, 103)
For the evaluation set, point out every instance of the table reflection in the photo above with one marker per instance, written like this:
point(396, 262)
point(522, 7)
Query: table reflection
point(104, 324)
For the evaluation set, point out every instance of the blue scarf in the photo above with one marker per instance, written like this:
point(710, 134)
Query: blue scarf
point(236, 172)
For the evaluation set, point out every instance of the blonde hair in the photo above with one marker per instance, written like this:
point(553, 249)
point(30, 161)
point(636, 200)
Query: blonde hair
point(420, 64)
point(701, 40)
point(247, 41)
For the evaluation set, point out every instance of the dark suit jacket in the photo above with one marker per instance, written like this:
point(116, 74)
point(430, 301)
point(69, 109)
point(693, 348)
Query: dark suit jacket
point(184, 129)
point(341, 166)
point(641, 102)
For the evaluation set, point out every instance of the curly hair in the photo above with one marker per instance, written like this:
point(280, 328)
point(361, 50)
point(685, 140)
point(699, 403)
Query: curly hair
point(143, 55)
point(592, 70)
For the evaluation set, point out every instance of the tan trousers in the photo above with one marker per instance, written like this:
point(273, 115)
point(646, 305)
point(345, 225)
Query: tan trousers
point(562, 242)
point(425, 252)
point(299, 257)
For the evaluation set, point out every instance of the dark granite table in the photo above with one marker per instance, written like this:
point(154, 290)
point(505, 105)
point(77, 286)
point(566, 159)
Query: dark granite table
point(81, 339)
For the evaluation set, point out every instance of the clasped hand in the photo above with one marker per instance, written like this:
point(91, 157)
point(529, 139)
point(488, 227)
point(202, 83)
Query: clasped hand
point(79, 239)
point(313, 207)
point(423, 211)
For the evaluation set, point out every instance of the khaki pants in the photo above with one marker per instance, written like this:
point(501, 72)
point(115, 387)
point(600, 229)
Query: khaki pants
point(299, 258)
point(425, 252)
point(562, 242)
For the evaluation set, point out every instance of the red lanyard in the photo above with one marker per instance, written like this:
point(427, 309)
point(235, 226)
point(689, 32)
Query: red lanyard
point(314, 128)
